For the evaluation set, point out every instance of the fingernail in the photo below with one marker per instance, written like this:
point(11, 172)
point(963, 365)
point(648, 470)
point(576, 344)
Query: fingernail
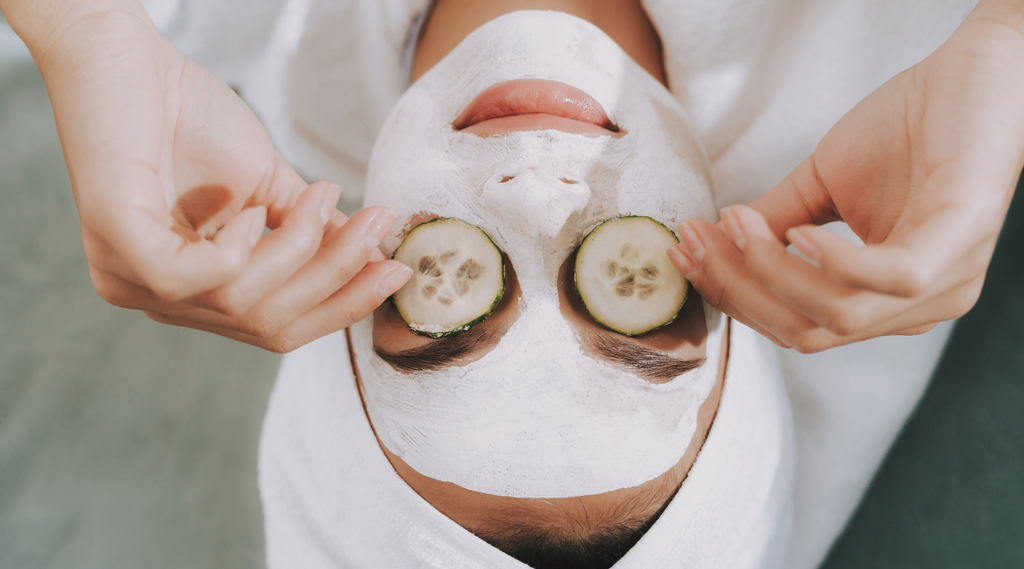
point(379, 228)
point(804, 245)
point(733, 228)
point(685, 265)
point(256, 231)
point(392, 281)
point(329, 203)
point(693, 242)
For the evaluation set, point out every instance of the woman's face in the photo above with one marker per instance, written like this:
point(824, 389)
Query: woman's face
point(539, 400)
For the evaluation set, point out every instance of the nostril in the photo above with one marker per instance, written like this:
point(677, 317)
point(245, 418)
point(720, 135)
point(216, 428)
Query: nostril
point(506, 179)
point(568, 181)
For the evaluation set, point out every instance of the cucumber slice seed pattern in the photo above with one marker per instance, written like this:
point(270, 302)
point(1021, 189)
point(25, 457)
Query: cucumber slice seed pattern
point(458, 277)
point(624, 276)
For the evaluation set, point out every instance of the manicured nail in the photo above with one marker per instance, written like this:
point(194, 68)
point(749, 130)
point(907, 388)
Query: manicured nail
point(693, 242)
point(379, 228)
point(803, 244)
point(256, 230)
point(329, 202)
point(733, 228)
point(392, 281)
point(685, 265)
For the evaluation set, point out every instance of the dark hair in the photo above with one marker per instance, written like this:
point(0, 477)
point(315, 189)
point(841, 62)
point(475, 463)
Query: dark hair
point(566, 541)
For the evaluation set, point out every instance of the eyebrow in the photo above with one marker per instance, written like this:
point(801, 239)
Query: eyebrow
point(652, 365)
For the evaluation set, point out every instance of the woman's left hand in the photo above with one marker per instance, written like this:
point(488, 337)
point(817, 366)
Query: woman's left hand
point(922, 170)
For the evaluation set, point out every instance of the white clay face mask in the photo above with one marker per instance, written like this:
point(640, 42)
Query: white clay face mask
point(536, 417)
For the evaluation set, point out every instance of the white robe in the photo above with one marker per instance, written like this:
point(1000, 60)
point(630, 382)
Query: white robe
point(763, 81)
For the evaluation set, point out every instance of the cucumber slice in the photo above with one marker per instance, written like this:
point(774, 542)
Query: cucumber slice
point(625, 278)
point(458, 277)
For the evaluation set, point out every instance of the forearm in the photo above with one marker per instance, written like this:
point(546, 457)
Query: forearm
point(41, 23)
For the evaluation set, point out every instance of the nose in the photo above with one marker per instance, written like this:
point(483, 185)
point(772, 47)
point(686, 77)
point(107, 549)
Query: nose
point(543, 200)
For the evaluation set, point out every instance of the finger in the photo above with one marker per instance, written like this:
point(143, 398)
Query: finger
point(939, 253)
point(125, 294)
point(171, 261)
point(723, 280)
point(915, 330)
point(800, 199)
point(804, 288)
point(337, 220)
point(684, 262)
point(205, 326)
point(923, 317)
point(278, 255)
point(948, 305)
point(345, 253)
point(282, 190)
point(352, 303)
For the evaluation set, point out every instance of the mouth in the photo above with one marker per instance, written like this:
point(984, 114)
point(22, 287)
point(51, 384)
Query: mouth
point(534, 104)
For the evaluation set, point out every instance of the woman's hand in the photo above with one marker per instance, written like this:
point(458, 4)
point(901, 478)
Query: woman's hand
point(922, 170)
point(175, 180)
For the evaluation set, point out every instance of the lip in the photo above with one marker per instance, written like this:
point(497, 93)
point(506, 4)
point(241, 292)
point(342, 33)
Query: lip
point(534, 104)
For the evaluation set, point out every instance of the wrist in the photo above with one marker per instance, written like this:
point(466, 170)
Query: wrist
point(43, 24)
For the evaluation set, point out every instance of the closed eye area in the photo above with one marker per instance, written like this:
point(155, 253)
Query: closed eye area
point(657, 357)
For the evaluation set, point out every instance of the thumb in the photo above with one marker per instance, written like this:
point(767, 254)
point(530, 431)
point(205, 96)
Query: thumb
point(800, 199)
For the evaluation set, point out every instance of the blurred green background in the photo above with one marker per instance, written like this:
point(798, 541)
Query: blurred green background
point(127, 444)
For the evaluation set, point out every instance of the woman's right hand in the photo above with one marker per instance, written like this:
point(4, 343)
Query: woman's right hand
point(175, 180)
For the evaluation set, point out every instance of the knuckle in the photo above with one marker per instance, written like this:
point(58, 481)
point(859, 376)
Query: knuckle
point(279, 345)
point(714, 296)
point(914, 280)
point(965, 301)
point(306, 240)
point(348, 271)
point(918, 330)
point(107, 290)
point(355, 314)
point(163, 283)
point(805, 343)
point(759, 262)
point(260, 324)
point(157, 317)
point(228, 300)
point(845, 321)
point(164, 288)
point(720, 292)
point(92, 247)
point(233, 263)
